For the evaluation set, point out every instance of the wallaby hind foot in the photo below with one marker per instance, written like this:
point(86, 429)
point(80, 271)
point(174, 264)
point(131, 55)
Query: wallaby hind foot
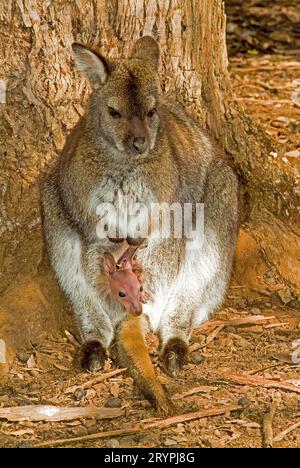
point(174, 356)
point(93, 356)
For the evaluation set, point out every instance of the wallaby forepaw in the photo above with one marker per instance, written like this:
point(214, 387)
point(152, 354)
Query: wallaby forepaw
point(174, 356)
point(93, 356)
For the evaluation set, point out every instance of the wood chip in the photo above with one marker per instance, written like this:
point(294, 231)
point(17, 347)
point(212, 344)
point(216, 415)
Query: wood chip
point(246, 379)
point(268, 426)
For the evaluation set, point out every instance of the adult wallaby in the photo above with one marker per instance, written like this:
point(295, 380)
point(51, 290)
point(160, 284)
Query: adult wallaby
point(133, 145)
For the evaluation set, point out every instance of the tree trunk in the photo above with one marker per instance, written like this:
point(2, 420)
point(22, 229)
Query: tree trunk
point(45, 97)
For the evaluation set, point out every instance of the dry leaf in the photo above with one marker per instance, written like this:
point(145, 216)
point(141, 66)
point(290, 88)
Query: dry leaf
point(114, 389)
point(90, 394)
point(31, 362)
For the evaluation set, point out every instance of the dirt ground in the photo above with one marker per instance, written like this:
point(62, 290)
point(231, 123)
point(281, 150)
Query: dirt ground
point(246, 357)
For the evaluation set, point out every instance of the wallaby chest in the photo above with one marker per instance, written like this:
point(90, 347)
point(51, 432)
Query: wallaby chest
point(121, 203)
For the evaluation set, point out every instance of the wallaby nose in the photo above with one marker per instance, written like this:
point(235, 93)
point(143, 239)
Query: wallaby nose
point(139, 144)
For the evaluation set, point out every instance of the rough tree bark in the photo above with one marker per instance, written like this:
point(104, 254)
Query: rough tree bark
point(45, 97)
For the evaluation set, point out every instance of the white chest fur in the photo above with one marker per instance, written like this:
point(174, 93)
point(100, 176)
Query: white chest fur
point(122, 205)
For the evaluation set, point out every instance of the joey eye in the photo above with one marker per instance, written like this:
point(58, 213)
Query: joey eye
point(151, 113)
point(122, 294)
point(114, 113)
point(141, 288)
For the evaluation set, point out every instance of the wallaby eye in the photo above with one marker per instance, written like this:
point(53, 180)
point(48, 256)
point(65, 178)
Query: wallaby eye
point(122, 294)
point(151, 112)
point(141, 288)
point(114, 113)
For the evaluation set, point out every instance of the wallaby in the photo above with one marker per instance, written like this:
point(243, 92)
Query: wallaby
point(134, 145)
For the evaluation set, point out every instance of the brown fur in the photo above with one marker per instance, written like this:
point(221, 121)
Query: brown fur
point(134, 144)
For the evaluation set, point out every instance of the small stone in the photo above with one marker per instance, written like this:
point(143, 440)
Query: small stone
point(23, 445)
point(113, 403)
point(197, 358)
point(79, 394)
point(23, 357)
point(113, 443)
point(268, 304)
point(285, 295)
point(255, 311)
point(244, 401)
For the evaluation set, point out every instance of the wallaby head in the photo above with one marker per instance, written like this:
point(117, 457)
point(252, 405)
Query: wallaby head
point(124, 284)
point(124, 101)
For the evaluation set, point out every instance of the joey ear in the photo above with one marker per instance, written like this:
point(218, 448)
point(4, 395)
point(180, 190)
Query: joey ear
point(109, 263)
point(125, 261)
point(146, 48)
point(92, 65)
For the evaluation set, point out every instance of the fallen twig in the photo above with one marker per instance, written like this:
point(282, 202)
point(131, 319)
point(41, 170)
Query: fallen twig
point(247, 379)
point(268, 426)
point(143, 426)
point(192, 391)
point(56, 413)
point(281, 435)
point(234, 322)
point(190, 416)
point(265, 368)
point(212, 336)
point(95, 381)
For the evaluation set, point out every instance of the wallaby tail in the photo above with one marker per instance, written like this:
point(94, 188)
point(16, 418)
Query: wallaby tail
point(133, 354)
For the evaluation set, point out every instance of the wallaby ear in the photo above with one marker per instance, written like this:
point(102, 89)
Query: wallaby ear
point(146, 48)
point(109, 263)
point(92, 65)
